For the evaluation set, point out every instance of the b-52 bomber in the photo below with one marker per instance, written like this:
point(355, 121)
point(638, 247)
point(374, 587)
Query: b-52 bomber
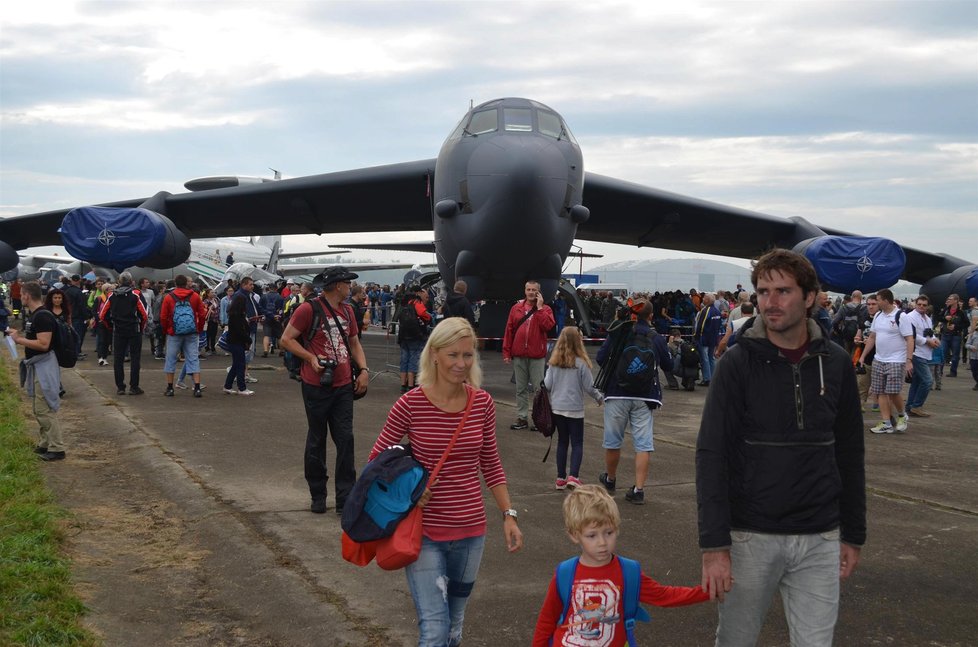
point(506, 197)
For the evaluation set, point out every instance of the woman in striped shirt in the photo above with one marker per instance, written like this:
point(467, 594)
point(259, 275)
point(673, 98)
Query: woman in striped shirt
point(454, 515)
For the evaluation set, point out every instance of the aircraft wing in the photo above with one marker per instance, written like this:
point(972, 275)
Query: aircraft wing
point(632, 214)
point(425, 246)
point(395, 197)
point(298, 269)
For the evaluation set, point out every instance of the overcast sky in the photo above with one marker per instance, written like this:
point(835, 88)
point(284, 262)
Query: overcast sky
point(861, 116)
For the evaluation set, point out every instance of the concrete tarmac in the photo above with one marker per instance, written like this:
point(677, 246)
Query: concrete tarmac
point(268, 572)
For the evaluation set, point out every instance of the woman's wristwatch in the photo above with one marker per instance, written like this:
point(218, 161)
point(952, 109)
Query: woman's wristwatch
point(510, 513)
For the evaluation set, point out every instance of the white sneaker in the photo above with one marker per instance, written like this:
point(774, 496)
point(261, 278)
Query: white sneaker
point(882, 428)
point(231, 391)
point(250, 380)
point(901, 424)
point(102, 362)
point(181, 385)
point(246, 392)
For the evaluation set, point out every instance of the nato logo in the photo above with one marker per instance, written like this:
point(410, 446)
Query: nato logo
point(864, 264)
point(106, 237)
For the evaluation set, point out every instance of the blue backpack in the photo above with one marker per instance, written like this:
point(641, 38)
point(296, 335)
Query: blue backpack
point(631, 573)
point(184, 320)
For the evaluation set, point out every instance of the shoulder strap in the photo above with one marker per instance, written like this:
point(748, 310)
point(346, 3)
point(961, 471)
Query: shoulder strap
point(343, 335)
point(318, 315)
point(565, 581)
point(631, 573)
point(458, 430)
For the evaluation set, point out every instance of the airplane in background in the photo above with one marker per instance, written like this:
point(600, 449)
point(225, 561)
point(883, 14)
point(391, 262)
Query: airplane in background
point(506, 197)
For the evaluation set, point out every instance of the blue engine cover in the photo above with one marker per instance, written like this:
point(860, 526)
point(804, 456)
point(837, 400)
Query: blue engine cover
point(847, 263)
point(121, 238)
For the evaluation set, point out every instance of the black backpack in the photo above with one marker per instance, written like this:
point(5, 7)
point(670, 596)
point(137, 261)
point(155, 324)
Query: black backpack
point(64, 342)
point(408, 325)
point(688, 355)
point(638, 366)
point(848, 325)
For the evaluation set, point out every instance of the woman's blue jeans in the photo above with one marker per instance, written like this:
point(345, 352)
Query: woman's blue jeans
point(440, 582)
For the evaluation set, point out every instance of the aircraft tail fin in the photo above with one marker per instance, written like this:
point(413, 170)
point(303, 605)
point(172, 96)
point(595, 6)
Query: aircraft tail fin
point(273, 257)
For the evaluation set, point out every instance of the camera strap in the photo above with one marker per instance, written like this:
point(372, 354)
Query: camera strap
point(319, 319)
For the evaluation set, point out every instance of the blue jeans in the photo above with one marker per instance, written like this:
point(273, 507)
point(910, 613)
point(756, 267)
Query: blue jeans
point(237, 371)
point(707, 361)
point(440, 582)
point(951, 345)
point(80, 327)
point(410, 355)
point(921, 383)
point(621, 413)
point(190, 345)
point(805, 568)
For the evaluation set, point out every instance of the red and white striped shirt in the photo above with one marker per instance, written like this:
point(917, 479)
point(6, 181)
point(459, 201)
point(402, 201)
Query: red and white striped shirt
point(456, 509)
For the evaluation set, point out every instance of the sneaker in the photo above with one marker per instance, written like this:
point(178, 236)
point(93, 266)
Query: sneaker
point(246, 392)
point(875, 408)
point(231, 391)
point(82, 356)
point(135, 390)
point(318, 505)
point(160, 357)
point(198, 394)
point(519, 424)
point(264, 354)
point(52, 456)
point(120, 391)
point(609, 484)
point(882, 428)
point(405, 388)
point(635, 496)
point(917, 412)
point(180, 385)
point(901, 423)
point(40, 450)
point(573, 482)
point(560, 484)
point(168, 392)
point(101, 361)
point(250, 380)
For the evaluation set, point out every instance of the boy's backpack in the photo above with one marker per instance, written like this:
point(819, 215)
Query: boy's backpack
point(184, 319)
point(631, 573)
point(638, 367)
point(689, 357)
point(408, 325)
point(64, 342)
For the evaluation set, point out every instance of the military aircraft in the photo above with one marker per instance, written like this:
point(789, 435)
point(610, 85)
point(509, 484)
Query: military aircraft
point(506, 197)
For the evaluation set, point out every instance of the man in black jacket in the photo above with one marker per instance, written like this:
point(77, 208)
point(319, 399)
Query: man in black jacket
point(458, 305)
point(80, 313)
point(780, 477)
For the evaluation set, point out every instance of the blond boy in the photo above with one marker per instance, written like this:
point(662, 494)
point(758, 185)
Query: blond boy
point(596, 604)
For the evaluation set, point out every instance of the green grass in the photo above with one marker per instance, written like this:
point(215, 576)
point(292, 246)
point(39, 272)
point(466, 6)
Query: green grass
point(37, 603)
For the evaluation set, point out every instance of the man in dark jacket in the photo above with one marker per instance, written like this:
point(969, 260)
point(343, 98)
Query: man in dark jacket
point(625, 407)
point(80, 313)
point(123, 313)
point(458, 305)
point(706, 335)
point(780, 477)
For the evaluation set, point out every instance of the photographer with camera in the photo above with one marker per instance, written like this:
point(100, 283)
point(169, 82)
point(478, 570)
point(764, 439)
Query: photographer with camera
point(924, 344)
point(322, 333)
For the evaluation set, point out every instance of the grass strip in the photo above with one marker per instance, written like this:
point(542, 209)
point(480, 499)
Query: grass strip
point(37, 603)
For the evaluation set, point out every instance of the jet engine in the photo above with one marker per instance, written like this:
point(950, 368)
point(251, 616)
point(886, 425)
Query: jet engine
point(847, 263)
point(120, 238)
point(8, 257)
point(962, 281)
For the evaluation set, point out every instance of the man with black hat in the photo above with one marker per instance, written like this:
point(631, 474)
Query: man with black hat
point(322, 334)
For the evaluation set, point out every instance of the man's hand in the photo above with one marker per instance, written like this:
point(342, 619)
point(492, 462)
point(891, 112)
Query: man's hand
point(717, 579)
point(848, 559)
point(363, 380)
point(507, 360)
point(313, 361)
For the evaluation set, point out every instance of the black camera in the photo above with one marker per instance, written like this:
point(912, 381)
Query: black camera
point(326, 377)
point(928, 332)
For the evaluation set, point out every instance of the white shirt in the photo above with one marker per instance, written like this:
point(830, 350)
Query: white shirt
point(891, 343)
point(920, 323)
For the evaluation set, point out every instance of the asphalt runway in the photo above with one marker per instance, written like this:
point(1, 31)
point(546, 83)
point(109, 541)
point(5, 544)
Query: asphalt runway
point(232, 467)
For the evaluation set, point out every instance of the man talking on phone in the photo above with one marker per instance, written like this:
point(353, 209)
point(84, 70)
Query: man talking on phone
point(525, 346)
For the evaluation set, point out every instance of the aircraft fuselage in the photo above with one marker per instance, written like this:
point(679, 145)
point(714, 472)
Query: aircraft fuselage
point(508, 185)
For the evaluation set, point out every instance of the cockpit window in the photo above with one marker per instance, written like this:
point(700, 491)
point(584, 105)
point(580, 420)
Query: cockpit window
point(549, 124)
point(518, 120)
point(484, 121)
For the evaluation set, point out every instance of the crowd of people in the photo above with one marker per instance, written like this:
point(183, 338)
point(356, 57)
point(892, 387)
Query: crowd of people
point(772, 488)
